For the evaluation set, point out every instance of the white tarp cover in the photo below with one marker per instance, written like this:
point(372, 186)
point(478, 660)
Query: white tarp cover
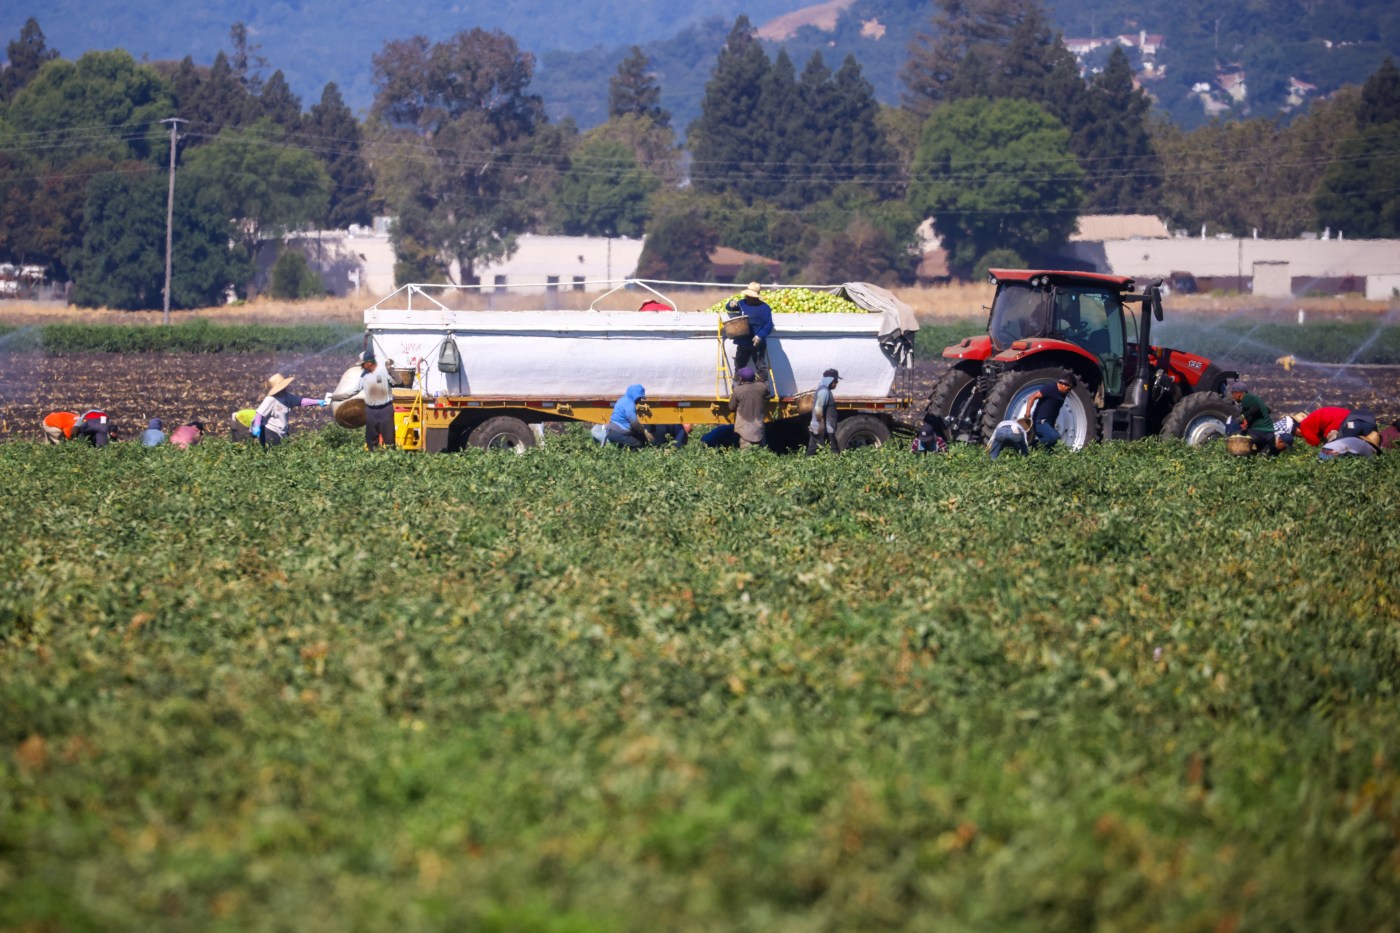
point(898, 325)
point(584, 354)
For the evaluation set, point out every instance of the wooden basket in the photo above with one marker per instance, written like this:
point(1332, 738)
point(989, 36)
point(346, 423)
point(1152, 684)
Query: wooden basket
point(805, 401)
point(1239, 445)
point(403, 377)
point(350, 413)
point(736, 327)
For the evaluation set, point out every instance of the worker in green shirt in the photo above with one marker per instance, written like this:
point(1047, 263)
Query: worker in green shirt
point(1254, 419)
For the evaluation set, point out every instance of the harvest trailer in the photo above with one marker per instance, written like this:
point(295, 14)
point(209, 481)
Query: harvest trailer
point(491, 378)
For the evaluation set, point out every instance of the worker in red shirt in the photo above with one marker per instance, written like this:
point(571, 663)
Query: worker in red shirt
point(1315, 427)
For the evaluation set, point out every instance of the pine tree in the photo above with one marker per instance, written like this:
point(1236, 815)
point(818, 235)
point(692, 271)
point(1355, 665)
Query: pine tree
point(812, 149)
point(331, 131)
point(1111, 138)
point(857, 146)
point(1380, 97)
point(276, 103)
point(633, 90)
point(26, 56)
point(222, 100)
point(777, 128)
point(721, 138)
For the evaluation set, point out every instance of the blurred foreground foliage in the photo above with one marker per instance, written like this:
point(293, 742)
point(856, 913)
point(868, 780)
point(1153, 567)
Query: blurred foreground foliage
point(1140, 685)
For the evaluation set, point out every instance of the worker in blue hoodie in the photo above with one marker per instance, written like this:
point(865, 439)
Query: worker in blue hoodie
point(625, 427)
point(823, 424)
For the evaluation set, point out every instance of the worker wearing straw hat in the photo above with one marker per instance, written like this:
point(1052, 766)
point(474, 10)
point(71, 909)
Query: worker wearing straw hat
point(270, 423)
point(755, 346)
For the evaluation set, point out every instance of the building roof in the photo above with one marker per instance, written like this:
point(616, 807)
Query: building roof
point(1119, 227)
point(1236, 257)
point(728, 256)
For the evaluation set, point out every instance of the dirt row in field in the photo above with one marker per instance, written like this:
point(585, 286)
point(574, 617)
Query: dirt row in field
point(178, 387)
point(133, 388)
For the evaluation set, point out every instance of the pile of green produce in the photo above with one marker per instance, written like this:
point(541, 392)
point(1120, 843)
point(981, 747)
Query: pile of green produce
point(797, 301)
point(1141, 686)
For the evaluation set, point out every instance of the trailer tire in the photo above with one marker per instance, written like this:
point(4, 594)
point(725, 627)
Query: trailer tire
point(861, 431)
point(1199, 418)
point(503, 432)
point(954, 399)
point(1078, 423)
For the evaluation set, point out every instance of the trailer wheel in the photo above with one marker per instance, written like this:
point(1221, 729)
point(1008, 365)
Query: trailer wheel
point(1199, 418)
point(502, 433)
point(955, 399)
point(861, 431)
point(1078, 422)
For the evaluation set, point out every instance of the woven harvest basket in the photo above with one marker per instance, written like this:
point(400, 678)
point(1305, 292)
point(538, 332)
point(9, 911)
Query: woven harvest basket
point(1239, 445)
point(736, 327)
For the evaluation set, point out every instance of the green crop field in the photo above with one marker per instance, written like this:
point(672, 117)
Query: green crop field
point(1141, 686)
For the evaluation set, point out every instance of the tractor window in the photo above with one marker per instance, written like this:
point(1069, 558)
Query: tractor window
point(1093, 319)
point(1017, 312)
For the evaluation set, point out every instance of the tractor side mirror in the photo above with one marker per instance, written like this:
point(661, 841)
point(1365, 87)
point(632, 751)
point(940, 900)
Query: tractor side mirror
point(1157, 305)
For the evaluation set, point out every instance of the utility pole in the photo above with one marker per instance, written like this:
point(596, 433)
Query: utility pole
point(170, 211)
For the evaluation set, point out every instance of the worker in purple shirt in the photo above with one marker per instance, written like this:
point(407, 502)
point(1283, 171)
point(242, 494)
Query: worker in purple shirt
point(755, 346)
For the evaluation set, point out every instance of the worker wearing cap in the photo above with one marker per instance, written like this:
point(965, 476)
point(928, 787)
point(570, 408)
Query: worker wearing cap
point(760, 316)
point(379, 403)
point(154, 435)
point(823, 425)
point(1043, 408)
point(1254, 418)
point(749, 402)
point(270, 422)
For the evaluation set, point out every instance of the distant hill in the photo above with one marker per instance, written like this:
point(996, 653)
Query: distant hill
point(315, 41)
point(1276, 50)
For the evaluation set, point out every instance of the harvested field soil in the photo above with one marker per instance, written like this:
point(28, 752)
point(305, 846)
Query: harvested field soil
point(1309, 385)
point(133, 388)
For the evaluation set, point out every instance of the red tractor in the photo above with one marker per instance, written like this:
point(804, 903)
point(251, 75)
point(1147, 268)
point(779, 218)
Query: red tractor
point(1044, 323)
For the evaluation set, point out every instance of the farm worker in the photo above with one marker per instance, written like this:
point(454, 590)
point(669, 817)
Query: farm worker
point(270, 423)
point(1367, 446)
point(1010, 434)
point(59, 425)
point(676, 434)
point(1254, 418)
point(187, 435)
point(749, 402)
point(1283, 436)
point(242, 420)
point(760, 315)
point(153, 436)
point(1046, 404)
point(379, 403)
point(625, 426)
point(1358, 423)
point(1315, 427)
point(823, 424)
point(95, 426)
point(932, 437)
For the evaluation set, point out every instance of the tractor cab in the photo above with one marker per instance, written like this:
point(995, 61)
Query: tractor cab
point(1087, 314)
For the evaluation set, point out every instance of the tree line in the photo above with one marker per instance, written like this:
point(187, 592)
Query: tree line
point(1000, 141)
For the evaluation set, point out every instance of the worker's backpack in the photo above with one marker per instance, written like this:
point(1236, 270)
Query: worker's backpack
point(449, 359)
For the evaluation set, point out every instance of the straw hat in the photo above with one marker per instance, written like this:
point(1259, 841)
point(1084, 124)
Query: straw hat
point(1298, 416)
point(1374, 438)
point(277, 382)
point(754, 290)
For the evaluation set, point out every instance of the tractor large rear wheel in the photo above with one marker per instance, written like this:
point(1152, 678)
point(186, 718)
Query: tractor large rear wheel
point(1078, 422)
point(955, 399)
point(1199, 417)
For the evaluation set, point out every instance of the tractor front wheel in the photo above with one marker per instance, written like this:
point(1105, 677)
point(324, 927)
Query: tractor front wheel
point(1200, 417)
point(1078, 422)
point(955, 399)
